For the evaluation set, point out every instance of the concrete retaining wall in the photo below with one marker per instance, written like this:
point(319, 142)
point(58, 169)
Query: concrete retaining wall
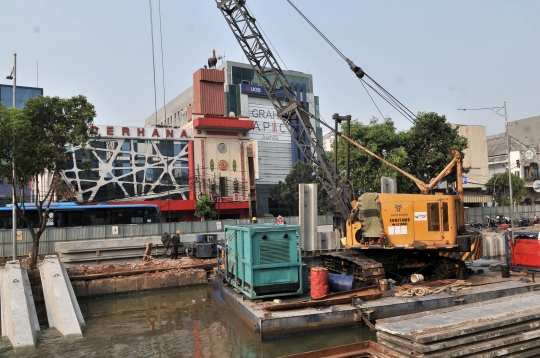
point(63, 310)
point(145, 282)
point(19, 318)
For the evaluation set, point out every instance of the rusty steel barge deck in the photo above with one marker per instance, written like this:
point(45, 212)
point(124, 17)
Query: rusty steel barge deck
point(270, 325)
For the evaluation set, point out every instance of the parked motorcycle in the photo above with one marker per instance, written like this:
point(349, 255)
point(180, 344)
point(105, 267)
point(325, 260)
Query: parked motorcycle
point(474, 224)
point(491, 222)
point(501, 219)
point(523, 221)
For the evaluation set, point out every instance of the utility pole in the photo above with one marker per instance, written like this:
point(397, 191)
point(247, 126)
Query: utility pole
point(13, 76)
point(338, 119)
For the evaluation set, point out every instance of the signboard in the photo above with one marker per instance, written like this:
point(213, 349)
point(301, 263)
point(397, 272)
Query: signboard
point(253, 90)
point(114, 230)
point(218, 225)
point(143, 132)
point(19, 235)
point(464, 179)
point(268, 126)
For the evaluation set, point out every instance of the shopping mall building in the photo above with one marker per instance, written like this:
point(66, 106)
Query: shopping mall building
point(219, 137)
point(270, 145)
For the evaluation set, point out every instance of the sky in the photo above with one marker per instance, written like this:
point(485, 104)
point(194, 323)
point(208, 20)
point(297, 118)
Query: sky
point(433, 56)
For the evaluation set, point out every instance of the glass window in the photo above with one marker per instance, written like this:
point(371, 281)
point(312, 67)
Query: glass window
point(140, 160)
point(153, 160)
point(139, 146)
point(152, 174)
point(104, 155)
point(534, 170)
point(126, 146)
point(433, 217)
point(446, 225)
point(122, 160)
point(180, 175)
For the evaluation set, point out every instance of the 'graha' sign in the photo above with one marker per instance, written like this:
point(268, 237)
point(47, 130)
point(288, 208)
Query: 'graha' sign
point(142, 132)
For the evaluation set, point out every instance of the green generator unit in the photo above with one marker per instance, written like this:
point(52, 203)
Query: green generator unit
point(263, 260)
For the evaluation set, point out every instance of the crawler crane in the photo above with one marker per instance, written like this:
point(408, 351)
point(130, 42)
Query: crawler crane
point(383, 233)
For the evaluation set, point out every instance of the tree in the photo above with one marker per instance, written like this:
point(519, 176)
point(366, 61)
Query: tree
point(497, 186)
point(423, 151)
point(203, 207)
point(42, 129)
point(286, 192)
point(365, 170)
point(429, 143)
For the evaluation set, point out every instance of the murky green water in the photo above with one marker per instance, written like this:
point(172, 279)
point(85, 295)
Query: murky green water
point(189, 322)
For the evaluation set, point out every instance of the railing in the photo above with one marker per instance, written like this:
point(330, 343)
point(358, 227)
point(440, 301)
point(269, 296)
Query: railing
point(479, 214)
point(52, 235)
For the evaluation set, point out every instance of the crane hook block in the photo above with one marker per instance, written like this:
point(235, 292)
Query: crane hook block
point(357, 70)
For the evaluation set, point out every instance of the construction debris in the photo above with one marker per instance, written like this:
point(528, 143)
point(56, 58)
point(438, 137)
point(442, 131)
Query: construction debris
point(424, 291)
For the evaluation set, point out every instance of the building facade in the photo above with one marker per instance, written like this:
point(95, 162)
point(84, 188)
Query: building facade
point(170, 166)
point(242, 96)
point(23, 93)
point(6, 97)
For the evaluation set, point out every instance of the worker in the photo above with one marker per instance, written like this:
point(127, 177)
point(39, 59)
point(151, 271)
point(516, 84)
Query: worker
point(175, 242)
point(254, 220)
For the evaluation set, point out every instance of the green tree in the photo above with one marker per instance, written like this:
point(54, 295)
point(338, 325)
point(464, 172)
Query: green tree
point(41, 130)
point(286, 192)
point(366, 171)
point(497, 185)
point(429, 143)
point(423, 151)
point(203, 207)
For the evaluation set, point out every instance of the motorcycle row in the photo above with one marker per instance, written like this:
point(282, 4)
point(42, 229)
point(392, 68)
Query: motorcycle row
point(495, 222)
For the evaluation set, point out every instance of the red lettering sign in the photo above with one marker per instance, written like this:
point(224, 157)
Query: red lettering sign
point(183, 134)
point(140, 132)
point(125, 131)
point(169, 133)
point(155, 133)
point(110, 130)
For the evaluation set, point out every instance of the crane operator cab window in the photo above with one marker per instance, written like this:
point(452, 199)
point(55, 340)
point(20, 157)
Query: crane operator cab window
point(435, 216)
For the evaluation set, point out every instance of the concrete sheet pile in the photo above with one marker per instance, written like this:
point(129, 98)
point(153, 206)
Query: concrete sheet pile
point(110, 251)
point(63, 310)
point(502, 327)
point(19, 319)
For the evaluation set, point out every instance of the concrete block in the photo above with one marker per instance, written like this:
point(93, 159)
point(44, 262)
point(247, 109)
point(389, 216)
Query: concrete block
point(63, 310)
point(19, 319)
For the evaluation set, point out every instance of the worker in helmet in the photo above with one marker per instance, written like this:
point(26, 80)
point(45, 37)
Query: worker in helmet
point(175, 242)
point(254, 220)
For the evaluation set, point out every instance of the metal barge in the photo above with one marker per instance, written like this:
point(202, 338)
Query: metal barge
point(270, 325)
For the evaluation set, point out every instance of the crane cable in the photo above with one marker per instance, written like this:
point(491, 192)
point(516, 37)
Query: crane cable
point(391, 100)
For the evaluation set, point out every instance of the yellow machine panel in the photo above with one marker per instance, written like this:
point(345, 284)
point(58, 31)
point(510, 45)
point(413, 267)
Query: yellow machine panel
point(430, 219)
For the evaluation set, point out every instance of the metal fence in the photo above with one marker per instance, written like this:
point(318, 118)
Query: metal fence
point(479, 214)
point(52, 235)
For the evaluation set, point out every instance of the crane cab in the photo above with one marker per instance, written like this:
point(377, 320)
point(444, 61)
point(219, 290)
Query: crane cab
point(403, 220)
point(430, 219)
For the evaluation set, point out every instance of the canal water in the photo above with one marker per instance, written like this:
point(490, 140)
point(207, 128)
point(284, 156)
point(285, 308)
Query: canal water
point(186, 322)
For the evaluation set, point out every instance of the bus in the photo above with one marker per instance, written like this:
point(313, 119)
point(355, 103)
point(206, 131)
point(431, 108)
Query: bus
point(75, 215)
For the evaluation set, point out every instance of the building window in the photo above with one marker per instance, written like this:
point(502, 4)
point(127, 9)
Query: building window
point(534, 171)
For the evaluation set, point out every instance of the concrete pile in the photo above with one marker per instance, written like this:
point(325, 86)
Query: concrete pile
point(492, 328)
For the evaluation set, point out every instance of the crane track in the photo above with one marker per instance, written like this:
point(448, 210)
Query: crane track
point(366, 271)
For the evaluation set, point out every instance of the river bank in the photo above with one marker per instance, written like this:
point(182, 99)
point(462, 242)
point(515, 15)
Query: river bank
point(132, 277)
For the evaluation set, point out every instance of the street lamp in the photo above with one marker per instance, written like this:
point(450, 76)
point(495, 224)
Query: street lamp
point(496, 111)
point(13, 76)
